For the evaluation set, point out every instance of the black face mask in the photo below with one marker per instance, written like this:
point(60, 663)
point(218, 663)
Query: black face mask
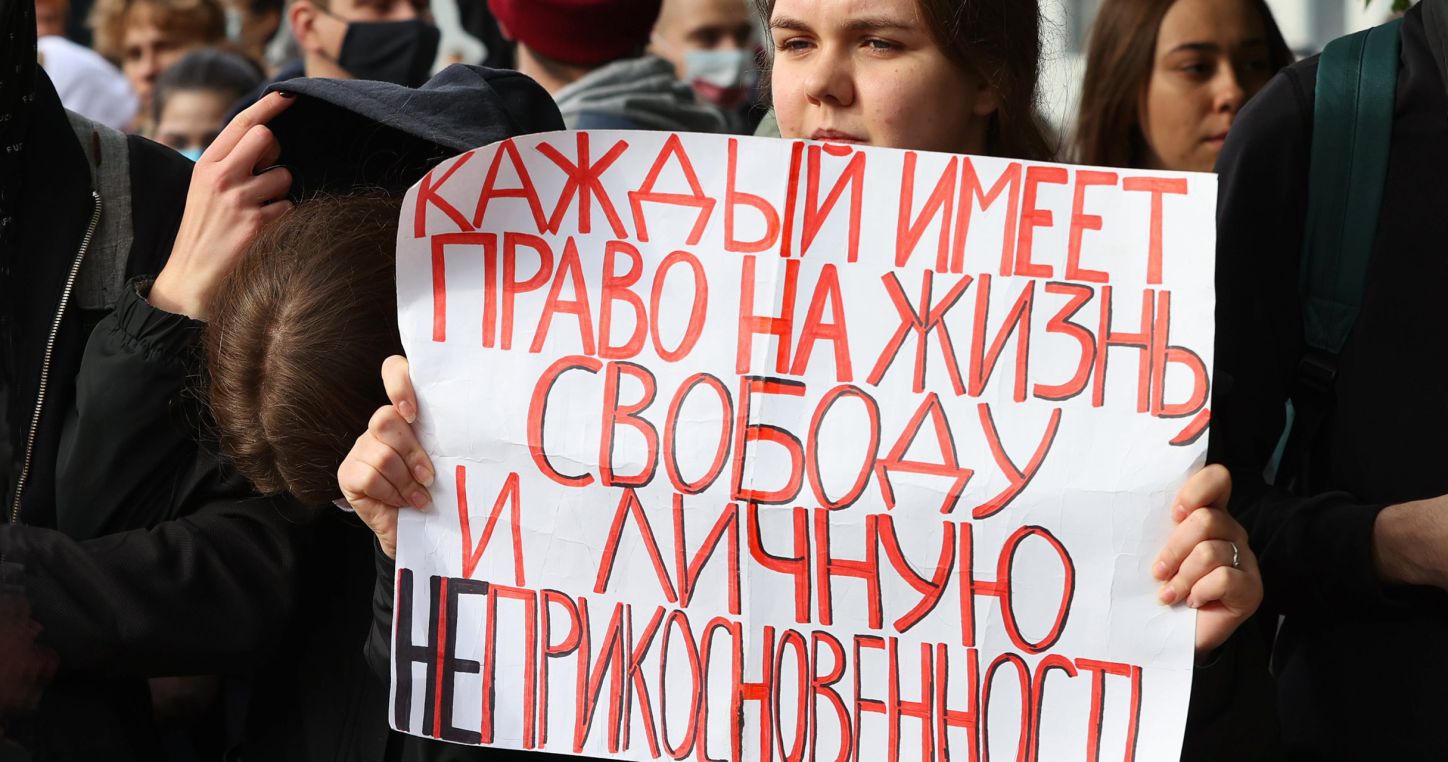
point(400, 52)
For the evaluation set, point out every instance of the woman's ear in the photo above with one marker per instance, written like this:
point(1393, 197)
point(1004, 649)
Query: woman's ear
point(987, 98)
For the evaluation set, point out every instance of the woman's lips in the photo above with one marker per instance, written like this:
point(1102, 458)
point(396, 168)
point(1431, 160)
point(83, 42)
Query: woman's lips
point(835, 136)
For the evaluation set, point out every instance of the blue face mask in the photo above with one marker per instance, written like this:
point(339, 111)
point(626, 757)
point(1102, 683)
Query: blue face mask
point(193, 153)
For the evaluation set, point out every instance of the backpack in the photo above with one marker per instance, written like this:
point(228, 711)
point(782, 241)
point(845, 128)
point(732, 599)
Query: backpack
point(1357, 79)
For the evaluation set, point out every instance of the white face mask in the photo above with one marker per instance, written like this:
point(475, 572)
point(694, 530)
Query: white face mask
point(725, 78)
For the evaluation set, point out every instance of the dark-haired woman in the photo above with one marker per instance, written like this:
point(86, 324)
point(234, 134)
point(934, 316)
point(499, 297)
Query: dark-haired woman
point(1166, 78)
point(193, 97)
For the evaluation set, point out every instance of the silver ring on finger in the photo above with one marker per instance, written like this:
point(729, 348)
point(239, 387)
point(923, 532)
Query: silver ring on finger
point(1236, 556)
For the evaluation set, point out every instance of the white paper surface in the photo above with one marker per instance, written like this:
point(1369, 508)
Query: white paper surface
point(905, 439)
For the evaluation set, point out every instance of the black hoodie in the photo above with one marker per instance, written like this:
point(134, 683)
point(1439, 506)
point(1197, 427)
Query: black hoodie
point(1361, 666)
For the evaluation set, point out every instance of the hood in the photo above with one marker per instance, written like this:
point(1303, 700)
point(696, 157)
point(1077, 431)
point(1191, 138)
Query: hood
point(642, 92)
point(343, 134)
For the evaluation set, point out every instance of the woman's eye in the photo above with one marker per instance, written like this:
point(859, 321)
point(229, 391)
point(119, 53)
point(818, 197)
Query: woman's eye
point(1197, 69)
point(882, 46)
point(792, 44)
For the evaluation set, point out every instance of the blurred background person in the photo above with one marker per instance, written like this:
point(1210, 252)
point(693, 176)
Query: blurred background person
point(193, 98)
point(87, 83)
point(50, 17)
point(1166, 78)
point(589, 55)
point(147, 36)
point(712, 46)
point(252, 24)
point(383, 40)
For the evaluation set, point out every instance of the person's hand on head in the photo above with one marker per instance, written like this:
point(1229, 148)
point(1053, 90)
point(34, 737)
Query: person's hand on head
point(232, 195)
point(1206, 562)
point(387, 468)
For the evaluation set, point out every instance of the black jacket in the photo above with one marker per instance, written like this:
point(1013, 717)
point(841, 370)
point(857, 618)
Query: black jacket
point(218, 581)
point(1360, 666)
point(46, 311)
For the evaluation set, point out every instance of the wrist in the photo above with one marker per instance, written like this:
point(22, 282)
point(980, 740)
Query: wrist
point(1404, 539)
point(167, 295)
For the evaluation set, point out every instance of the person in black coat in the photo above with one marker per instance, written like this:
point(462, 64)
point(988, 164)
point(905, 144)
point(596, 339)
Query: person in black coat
point(1358, 569)
point(207, 578)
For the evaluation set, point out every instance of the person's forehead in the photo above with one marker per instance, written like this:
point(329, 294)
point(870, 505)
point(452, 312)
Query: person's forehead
point(145, 23)
point(142, 31)
point(1226, 23)
point(827, 15)
point(349, 8)
point(194, 106)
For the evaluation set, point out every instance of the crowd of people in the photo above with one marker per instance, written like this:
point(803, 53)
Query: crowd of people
point(179, 579)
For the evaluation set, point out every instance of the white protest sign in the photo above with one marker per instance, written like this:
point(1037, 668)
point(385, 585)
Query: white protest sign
point(758, 449)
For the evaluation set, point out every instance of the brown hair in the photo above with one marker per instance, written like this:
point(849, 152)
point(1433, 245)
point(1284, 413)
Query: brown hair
point(1119, 62)
point(204, 20)
point(296, 346)
point(1001, 40)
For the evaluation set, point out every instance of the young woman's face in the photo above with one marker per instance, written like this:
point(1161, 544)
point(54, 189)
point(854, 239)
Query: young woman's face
point(870, 72)
point(150, 49)
point(191, 119)
point(1211, 56)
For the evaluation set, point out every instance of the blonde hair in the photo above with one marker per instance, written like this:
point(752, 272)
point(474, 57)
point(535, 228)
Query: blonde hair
point(202, 20)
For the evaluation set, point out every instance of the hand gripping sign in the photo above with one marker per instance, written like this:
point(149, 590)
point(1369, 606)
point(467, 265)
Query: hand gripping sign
point(754, 449)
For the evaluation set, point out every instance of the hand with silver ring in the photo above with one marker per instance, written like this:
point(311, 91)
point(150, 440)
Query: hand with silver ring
point(1206, 562)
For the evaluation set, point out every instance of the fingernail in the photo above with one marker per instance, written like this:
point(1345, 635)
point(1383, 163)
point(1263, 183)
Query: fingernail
point(1159, 571)
point(1191, 604)
point(420, 499)
point(408, 413)
point(285, 94)
point(1167, 595)
point(1178, 512)
point(423, 475)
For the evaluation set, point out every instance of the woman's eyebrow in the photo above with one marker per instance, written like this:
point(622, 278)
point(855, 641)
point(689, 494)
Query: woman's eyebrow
point(877, 23)
point(787, 23)
point(1212, 47)
point(866, 24)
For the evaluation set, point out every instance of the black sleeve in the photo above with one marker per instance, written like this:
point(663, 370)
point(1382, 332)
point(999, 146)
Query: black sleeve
point(379, 640)
point(128, 456)
point(1315, 553)
point(1234, 704)
point(205, 594)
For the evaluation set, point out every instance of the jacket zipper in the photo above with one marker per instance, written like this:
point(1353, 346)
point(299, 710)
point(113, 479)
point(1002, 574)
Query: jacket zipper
point(49, 351)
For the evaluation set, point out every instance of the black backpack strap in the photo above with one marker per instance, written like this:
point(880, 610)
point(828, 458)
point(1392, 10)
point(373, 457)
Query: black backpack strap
point(1357, 80)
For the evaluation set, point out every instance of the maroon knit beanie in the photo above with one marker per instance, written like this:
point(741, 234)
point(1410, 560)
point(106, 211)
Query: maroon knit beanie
point(578, 32)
